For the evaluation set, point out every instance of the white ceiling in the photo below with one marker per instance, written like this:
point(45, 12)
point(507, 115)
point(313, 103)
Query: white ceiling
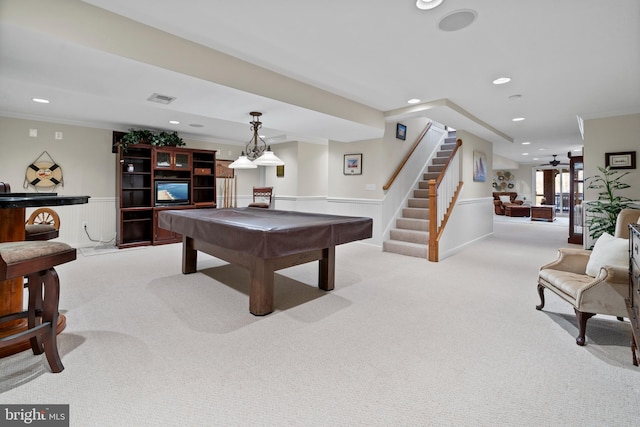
point(566, 59)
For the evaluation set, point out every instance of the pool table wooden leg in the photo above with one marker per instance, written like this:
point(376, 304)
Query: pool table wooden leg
point(189, 256)
point(261, 290)
point(327, 269)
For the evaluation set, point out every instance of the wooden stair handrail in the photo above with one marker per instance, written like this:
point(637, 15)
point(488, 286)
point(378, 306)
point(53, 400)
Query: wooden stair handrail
point(406, 157)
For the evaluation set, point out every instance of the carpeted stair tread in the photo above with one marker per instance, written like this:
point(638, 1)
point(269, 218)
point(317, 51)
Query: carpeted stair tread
point(411, 236)
point(430, 175)
point(419, 213)
point(412, 224)
point(406, 248)
point(421, 193)
point(418, 202)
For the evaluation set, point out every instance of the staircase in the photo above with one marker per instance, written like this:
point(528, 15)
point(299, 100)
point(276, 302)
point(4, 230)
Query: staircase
point(411, 235)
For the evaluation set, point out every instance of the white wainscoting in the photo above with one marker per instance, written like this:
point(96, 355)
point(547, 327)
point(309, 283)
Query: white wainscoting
point(470, 221)
point(99, 215)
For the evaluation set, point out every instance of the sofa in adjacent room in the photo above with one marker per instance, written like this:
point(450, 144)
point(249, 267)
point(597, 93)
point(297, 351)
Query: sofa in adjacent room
point(501, 199)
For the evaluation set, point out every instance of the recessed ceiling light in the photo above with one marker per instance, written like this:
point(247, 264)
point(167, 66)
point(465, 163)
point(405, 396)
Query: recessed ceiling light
point(525, 154)
point(457, 20)
point(413, 101)
point(428, 4)
point(40, 100)
point(517, 119)
point(526, 143)
point(515, 97)
point(174, 122)
point(196, 125)
point(542, 149)
point(501, 80)
point(535, 158)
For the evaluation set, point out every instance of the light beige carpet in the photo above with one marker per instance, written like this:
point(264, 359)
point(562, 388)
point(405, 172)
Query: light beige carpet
point(399, 342)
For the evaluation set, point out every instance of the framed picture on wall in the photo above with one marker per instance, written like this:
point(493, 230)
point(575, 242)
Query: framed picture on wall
point(223, 170)
point(622, 160)
point(401, 131)
point(479, 166)
point(353, 164)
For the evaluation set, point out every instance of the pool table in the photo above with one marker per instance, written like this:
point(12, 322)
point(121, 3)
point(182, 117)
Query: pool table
point(263, 241)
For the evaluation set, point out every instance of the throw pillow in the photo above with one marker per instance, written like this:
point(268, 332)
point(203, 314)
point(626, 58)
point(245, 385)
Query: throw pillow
point(608, 250)
point(505, 199)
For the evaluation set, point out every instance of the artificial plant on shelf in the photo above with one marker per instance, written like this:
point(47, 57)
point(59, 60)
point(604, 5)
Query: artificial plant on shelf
point(145, 136)
point(602, 214)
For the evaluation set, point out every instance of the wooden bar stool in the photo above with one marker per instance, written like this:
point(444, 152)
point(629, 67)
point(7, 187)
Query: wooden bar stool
point(43, 224)
point(35, 260)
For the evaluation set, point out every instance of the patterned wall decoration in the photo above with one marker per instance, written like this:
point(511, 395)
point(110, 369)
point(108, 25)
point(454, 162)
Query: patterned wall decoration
point(504, 181)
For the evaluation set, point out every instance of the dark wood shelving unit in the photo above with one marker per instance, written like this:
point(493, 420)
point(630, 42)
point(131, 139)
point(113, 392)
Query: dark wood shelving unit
point(139, 168)
point(633, 301)
point(204, 178)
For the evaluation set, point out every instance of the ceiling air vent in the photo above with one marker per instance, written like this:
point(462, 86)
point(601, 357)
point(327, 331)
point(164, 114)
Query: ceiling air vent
point(161, 99)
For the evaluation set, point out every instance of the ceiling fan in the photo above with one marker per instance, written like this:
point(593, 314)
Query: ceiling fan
point(555, 162)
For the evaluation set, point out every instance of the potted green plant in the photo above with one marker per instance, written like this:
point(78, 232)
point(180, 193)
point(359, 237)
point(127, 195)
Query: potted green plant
point(145, 136)
point(165, 138)
point(603, 212)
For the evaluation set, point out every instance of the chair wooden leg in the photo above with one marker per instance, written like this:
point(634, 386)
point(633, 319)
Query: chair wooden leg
point(34, 310)
point(582, 325)
point(541, 293)
point(50, 314)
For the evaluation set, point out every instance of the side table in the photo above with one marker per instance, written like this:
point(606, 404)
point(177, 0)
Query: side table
point(543, 213)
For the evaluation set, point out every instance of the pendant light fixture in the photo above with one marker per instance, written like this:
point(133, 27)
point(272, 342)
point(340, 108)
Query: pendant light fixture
point(257, 152)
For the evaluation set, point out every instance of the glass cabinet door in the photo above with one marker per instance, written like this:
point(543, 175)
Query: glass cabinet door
point(163, 159)
point(182, 160)
point(576, 214)
point(172, 160)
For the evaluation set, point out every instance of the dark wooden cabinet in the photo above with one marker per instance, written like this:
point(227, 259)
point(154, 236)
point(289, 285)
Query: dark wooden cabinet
point(576, 197)
point(140, 168)
point(633, 301)
point(160, 235)
point(135, 197)
point(203, 188)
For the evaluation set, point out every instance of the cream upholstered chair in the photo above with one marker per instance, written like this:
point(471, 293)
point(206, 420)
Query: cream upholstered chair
point(593, 282)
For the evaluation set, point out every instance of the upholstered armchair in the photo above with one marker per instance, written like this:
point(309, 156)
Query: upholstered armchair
point(593, 282)
point(500, 198)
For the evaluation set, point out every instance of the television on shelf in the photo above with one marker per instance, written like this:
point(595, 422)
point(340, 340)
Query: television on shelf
point(170, 193)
